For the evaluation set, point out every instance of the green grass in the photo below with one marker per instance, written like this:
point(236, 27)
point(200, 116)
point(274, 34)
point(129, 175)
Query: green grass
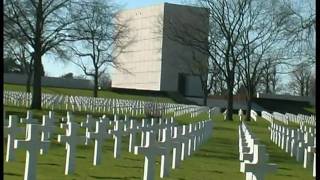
point(83, 92)
point(288, 167)
point(311, 109)
point(216, 159)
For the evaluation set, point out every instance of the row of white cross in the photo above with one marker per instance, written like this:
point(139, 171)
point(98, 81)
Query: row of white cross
point(300, 143)
point(253, 114)
point(302, 119)
point(253, 156)
point(101, 105)
point(289, 117)
point(267, 116)
point(157, 138)
point(280, 117)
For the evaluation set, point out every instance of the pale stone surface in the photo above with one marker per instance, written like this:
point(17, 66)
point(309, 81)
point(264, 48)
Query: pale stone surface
point(47, 127)
point(309, 141)
point(99, 136)
point(117, 133)
point(72, 140)
point(32, 144)
point(185, 145)
point(240, 113)
point(312, 149)
point(144, 128)
point(89, 125)
point(165, 158)
point(11, 131)
point(164, 58)
point(28, 119)
point(150, 151)
point(179, 142)
point(258, 168)
point(133, 129)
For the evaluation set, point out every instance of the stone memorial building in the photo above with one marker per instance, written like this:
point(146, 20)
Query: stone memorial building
point(155, 59)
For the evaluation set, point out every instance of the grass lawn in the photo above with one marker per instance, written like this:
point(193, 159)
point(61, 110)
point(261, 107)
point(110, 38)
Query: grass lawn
point(288, 167)
point(311, 109)
point(216, 159)
point(83, 92)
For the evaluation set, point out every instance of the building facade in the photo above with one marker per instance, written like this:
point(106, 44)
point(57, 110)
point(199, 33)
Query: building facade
point(155, 59)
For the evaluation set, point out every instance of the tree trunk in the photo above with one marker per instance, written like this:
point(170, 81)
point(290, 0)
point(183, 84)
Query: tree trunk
point(267, 85)
point(205, 98)
point(95, 88)
point(249, 107)
point(28, 89)
point(230, 103)
point(307, 87)
point(36, 94)
point(301, 89)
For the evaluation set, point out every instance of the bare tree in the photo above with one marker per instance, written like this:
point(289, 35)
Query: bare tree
point(269, 79)
point(260, 35)
point(44, 25)
point(300, 82)
point(299, 28)
point(313, 85)
point(16, 50)
point(97, 36)
point(226, 19)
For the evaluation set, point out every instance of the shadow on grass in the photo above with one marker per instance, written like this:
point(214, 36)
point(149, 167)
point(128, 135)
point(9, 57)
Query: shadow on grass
point(49, 164)
point(132, 159)
point(11, 174)
point(222, 157)
point(108, 177)
point(288, 175)
point(81, 157)
point(211, 171)
point(134, 167)
point(224, 129)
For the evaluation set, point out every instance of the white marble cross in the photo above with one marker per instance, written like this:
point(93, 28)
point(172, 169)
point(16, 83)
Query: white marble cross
point(99, 136)
point(248, 154)
point(178, 140)
point(66, 120)
point(52, 117)
point(89, 124)
point(309, 140)
point(193, 136)
point(258, 168)
point(28, 119)
point(117, 133)
point(185, 145)
point(150, 151)
point(312, 149)
point(32, 144)
point(47, 127)
point(294, 142)
point(71, 139)
point(300, 147)
point(240, 113)
point(284, 138)
point(132, 129)
point(225, 114)
point(11, 131)
point(165, 158)
point(144, 128)
point(288, 140)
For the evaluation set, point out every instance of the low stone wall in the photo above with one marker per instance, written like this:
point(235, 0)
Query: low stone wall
point(309, 99)
point(21, 79)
